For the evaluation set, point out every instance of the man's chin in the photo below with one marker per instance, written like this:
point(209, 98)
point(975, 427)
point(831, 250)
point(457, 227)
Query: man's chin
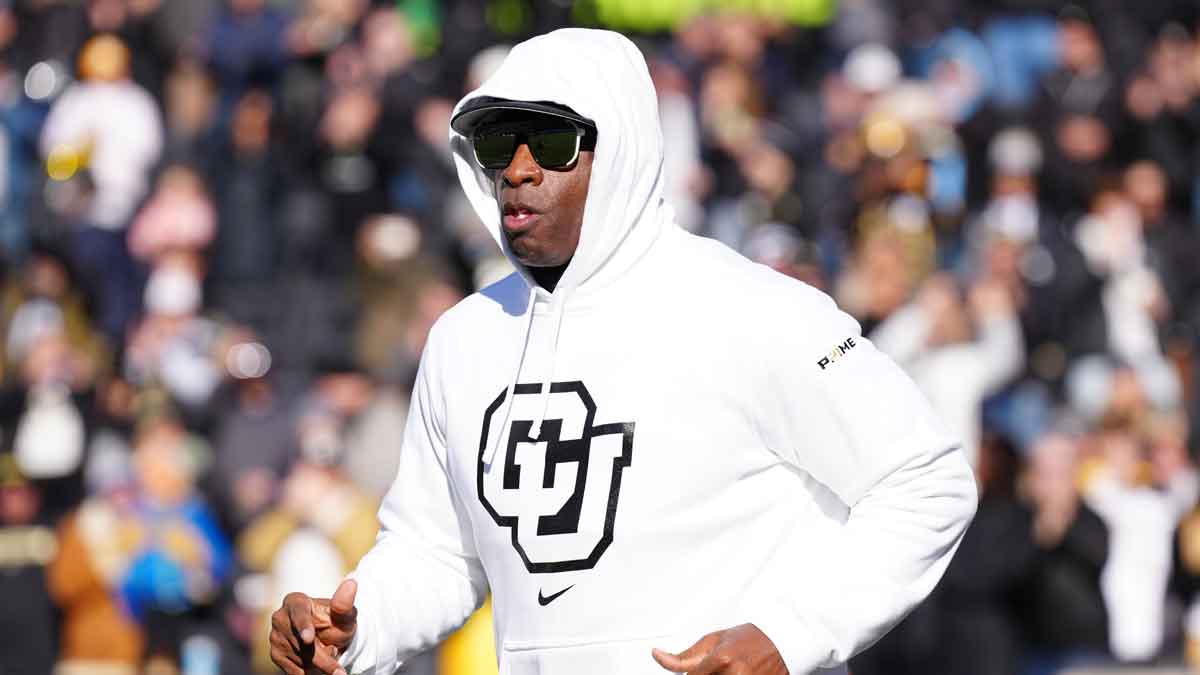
point(528, 257)
point(538, 263)
point(534, 256)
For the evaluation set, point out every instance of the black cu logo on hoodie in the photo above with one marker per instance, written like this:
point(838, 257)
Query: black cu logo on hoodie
point(565, 482)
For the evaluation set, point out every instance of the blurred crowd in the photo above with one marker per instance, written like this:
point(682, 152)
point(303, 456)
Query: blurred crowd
point(226, 227)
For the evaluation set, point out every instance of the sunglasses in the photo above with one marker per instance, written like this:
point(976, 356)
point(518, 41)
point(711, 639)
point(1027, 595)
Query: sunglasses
point(553, 147)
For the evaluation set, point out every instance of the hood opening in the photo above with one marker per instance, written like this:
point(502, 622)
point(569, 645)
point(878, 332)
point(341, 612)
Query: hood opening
point(602, 77)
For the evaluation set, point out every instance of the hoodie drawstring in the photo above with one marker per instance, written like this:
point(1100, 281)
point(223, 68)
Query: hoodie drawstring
point(558, 309)
point(511, 392)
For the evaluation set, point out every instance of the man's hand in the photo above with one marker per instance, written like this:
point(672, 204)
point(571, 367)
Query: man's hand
point(741, 650)
point(307, 634)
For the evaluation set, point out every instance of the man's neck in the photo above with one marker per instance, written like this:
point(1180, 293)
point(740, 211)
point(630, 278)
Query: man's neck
point(547, 277)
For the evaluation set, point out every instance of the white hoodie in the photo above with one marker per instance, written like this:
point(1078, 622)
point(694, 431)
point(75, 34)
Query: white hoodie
point(718, 444)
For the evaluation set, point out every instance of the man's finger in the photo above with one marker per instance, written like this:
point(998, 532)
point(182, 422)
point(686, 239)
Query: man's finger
point(342, 613)
point(300, 611)
point(335, 636)
point(281, 624)
point(323, 659)
point(279, 658)
point(688, 658)
point(280, 645)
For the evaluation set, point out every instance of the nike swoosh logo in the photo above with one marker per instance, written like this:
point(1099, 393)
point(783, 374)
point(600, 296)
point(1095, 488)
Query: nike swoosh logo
point(545, 600)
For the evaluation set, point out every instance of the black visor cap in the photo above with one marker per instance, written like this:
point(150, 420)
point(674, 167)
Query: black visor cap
point(484, 108)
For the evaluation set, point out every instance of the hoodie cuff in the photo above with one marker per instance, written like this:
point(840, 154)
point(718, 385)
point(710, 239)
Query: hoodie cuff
point(797, 646)
point(359, 656)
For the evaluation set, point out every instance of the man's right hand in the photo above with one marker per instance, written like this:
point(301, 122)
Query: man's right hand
point(308, 634)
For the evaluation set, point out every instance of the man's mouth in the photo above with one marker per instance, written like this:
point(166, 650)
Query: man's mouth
point(518, 217)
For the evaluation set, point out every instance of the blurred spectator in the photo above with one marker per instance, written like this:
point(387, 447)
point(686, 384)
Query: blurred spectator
point(173, 346)
point(887, 265)
point(682, 143)
point(979, 631)
point(307, 543)
point(253, 447)
point(1171, 243)
point(1023, 47)
point(248, 247)
point(1160, 97)
point(369, 460)
point(1133, 300)
point(1017, 241)
point(388, 43)
point(403, 299)
point(958, 350)
point(421, 186)
point(138, 559)
point(248, 44)
point(1142, 490)
point(178, 217)
point(27, 545)
point(41, 297)
point(779, 247)
point(189, 101)
point(1061, 605)
point(49, 437)
point(178, 558)
point(110, 127)
point(1080, 104)
point(95, 547)
point(323, 25)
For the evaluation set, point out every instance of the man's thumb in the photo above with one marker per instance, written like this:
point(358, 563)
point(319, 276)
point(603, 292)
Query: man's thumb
point(689, 658)
point(681, 662)
point(341, 605)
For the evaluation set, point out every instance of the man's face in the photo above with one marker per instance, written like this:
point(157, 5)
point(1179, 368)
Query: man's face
point(542, 209)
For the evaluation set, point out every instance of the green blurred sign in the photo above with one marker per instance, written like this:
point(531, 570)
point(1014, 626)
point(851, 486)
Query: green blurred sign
point(649, 15)
point(424, 18)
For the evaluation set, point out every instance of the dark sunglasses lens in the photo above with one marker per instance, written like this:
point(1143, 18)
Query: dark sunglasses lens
point(554, 149)
point(495, 151)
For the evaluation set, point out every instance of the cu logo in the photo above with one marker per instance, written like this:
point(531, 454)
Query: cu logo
point(556, 493)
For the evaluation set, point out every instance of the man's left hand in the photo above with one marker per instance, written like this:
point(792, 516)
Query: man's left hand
point(741, 650)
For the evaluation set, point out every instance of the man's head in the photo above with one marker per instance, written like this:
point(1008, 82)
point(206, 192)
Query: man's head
point(598, 81)
point(539, 159)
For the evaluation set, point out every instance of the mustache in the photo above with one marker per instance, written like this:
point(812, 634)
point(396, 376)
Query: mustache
point(513, 206)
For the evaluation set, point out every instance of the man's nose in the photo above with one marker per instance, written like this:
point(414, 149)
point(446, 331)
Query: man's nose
point(523, 168)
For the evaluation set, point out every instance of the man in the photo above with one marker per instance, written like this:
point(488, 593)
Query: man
point(655, 454)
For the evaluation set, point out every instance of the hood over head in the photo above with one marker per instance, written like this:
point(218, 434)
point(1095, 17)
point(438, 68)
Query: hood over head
point(603, 77)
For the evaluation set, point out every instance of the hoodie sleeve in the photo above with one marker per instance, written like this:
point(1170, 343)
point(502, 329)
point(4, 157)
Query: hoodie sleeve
point(423, 578)
point(838, 409)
